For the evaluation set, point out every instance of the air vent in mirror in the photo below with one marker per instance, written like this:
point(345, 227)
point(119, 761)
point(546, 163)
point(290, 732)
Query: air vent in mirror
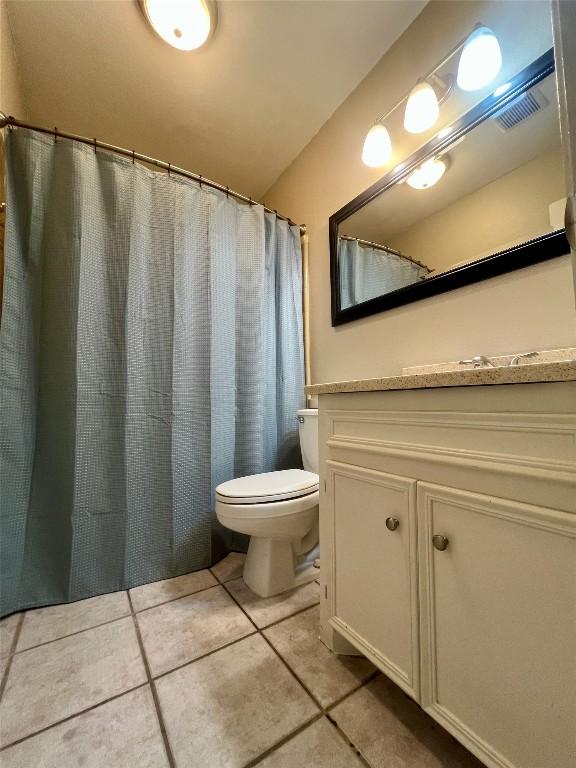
point(520, 109)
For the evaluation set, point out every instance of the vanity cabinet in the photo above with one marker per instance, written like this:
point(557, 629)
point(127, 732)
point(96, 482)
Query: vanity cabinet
point(375, 555)
point(448, 541)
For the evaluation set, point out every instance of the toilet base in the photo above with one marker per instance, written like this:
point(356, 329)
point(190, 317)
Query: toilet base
point(272, 567)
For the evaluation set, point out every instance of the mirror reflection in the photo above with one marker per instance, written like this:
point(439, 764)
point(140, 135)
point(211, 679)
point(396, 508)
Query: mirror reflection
point(499, 185)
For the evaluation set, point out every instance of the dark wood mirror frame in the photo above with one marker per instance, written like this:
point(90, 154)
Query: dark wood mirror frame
point(548, 246)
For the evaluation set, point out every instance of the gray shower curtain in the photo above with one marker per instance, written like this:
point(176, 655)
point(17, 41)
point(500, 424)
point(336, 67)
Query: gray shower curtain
point(150, 348)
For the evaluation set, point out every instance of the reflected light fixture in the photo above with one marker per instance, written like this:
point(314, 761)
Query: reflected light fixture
point(422, 109)
point(427, 174)
point(377, 148)
point(480, 60)
point(184, 24)
point(445, 132)
point(502, 89)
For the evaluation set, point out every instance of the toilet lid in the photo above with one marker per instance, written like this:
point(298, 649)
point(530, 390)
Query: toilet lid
point(269, 486)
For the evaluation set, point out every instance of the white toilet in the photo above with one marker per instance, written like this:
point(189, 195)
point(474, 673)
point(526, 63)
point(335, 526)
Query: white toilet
point(279, 511)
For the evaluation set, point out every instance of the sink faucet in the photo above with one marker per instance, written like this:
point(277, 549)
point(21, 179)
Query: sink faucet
point(516, 359)
point(480, 361)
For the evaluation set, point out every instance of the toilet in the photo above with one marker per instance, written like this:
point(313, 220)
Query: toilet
point(279, 511)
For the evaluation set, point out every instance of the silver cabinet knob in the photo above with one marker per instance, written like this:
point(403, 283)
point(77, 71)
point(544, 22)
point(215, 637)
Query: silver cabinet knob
point(392, 523)
point(439, 542)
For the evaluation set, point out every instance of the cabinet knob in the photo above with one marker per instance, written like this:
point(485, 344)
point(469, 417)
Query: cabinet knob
point(392, 523)
point(439, 542)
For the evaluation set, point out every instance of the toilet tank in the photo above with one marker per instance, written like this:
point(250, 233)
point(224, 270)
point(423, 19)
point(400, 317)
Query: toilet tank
point(308, 428)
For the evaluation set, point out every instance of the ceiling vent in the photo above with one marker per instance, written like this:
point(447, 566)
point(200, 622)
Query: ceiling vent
point(526, 105)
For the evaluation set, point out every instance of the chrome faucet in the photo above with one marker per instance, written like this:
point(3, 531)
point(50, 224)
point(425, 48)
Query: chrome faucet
point(480, 361)
point(516, 359)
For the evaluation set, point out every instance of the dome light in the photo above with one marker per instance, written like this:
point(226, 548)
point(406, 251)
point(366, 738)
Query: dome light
point(480, 61)
point(422, 109)
point(377, 148)
point(428, 174)
point(184, 24)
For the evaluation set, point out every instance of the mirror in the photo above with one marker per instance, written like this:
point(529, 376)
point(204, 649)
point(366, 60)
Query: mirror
point(483, 197)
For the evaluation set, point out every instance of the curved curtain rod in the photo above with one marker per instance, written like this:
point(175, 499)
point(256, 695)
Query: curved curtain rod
point(6, 121)
point(381, 247)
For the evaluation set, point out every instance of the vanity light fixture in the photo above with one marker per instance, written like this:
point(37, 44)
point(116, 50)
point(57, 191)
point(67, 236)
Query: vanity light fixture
point(422, 108)
point(479, 63)
point(377, 148)
point(184, 24)
point(480, 60)
point(427, 174)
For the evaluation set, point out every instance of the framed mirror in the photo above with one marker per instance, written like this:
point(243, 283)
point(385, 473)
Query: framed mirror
point(484, 197)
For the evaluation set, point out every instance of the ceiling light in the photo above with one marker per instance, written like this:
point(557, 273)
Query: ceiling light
point(480, 61)
point(184, 24)
point(428, 174)
point(377, 148)
point(502, 89)
point(422, 109)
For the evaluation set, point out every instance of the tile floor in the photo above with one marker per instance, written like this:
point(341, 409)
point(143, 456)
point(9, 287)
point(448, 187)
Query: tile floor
point(198, 672)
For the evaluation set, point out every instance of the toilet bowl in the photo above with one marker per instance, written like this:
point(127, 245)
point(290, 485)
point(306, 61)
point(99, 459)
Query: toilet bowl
point(279, 511)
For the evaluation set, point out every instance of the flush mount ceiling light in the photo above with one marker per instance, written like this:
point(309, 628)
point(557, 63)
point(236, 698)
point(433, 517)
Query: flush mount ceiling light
point(427, 174)
point(377, 148)
point(422, 109)
point(480, 61)
point(184, 24)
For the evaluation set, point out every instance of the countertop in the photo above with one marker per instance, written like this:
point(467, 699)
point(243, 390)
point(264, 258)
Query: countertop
point(526, 373)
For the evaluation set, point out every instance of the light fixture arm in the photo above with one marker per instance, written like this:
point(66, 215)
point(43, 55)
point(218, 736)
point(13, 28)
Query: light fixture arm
point(431, 72)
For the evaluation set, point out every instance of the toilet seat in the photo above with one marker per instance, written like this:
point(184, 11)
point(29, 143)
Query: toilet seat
point(268, 487)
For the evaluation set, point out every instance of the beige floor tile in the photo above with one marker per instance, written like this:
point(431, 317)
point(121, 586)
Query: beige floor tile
point(122, 733)
point(183, 630)
point(44, 624)
point(267, 610)
point(318, 746)
point(54, 681)
point(7, 631)
point(159, 592)
point(391, 731)
point(327, 676)
point(230, 567)
point(226, 709)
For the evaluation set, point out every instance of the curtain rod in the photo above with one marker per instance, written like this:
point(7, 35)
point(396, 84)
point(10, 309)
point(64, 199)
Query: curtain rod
point(6, 121)
point(385, 248)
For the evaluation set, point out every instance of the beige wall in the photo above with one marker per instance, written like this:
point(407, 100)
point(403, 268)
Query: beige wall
point(11, 101)
point(505, 212)
point(529, 308)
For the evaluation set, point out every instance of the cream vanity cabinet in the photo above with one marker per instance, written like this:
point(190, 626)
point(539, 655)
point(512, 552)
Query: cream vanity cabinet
point(448, 540)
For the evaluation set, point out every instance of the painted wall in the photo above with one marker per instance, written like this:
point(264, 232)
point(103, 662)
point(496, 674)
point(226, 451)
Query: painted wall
point(11, 101)
point(533, 308)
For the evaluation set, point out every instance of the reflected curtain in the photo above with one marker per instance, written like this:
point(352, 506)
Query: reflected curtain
point(150, 348)
point(367, 272)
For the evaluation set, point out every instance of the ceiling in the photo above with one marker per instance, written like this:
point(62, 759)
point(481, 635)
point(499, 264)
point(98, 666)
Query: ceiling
point(237, 111)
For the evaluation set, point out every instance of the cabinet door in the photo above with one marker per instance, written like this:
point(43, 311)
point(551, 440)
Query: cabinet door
point(374, 600)
point(498, 626)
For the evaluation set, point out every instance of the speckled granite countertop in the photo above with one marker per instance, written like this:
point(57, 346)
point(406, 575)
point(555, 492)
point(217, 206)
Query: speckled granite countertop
point(521, 374)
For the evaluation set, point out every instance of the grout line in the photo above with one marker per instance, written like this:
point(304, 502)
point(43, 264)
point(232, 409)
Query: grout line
point(175, 599)
point(71, 717)
point(291, 615)
point(369, 679)
point(348, 741)
point(204, 655)
point(284, 740)
point(10, 656)
point(167, 747)
point(72, 634)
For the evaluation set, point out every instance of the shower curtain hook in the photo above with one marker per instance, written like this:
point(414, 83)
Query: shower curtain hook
point(250, 200)
point(55, 134)
point(200, 181)
point(94, 145)
point(133, 158)
point(227, 191)
point(168, 169)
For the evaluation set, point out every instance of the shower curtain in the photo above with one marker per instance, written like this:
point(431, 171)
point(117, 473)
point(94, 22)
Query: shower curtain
point(367, 272)
point(150, 348)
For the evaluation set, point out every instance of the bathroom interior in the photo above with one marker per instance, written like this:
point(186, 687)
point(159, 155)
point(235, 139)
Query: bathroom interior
point(287, 383)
